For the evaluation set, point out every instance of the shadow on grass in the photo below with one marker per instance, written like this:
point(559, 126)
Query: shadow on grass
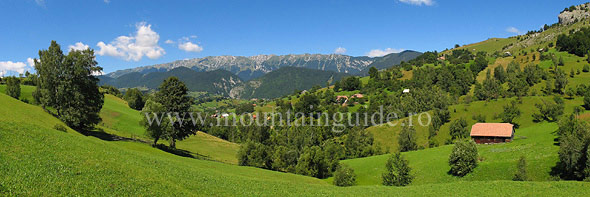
point(179, 152)
point(101, 134)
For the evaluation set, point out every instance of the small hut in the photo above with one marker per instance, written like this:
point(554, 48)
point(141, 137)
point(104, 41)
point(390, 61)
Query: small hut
point(487, 133)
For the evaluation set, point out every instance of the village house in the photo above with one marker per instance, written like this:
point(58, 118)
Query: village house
point(487, 133)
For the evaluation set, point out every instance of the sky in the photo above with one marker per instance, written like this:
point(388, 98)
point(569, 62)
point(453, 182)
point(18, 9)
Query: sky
point(132, 33)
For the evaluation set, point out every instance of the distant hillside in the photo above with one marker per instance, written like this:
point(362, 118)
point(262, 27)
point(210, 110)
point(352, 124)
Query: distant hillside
point(248, 68)
point(392, 60)
point(284, 81)
point(216, 82)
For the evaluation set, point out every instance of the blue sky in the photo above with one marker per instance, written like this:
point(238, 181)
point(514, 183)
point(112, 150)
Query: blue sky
point(127, 34)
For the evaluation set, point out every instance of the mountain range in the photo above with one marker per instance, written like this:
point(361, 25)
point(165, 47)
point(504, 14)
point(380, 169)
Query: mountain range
point(221, 74)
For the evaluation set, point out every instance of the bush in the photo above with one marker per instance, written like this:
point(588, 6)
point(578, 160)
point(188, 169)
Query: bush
point(587, 101)
point(13, 87)
point(521, 174)
point(586, 68)
point(398, 171)
point(344, 176)
point(60, 127)
point(463, 158)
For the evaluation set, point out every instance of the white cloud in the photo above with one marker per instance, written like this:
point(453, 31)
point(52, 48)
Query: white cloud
point(18, 67)
point(418, 2)
point(31, 62)
point(134, 47)
point(107, 1)
point(169, 42)
point(513, 30)
point(79, 46)
point(379, 52)
point(340, 50)
point(188, 46)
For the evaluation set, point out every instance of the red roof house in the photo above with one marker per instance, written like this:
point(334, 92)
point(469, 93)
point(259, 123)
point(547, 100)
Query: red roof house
point(485, 133)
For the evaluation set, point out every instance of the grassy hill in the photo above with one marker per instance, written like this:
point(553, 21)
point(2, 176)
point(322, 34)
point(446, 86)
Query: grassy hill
point(38, 160)
point(120, 120)
point(26, 92)
point(386, 136)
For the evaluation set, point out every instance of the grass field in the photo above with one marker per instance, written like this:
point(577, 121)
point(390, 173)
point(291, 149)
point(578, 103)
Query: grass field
point(120, 120)
point(386, 136)
point(498, 162)
point(36, 160)
point(26, 92)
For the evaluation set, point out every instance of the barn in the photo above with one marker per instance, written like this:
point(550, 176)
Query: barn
point(487, 133)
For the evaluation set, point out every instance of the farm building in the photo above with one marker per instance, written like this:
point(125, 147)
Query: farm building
point(484, 133)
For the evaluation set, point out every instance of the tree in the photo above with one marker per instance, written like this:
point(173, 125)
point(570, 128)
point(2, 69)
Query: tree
point(373, 73)
point(173, 96)
point(587, 100)
point(344, 176)
point(586, 68)
point(458, 129)
point(549, 111)
point(398, 171)
point(308, 103)
point(66, 84)
point(573, 152)
point(350, 83)
point(254, 154)
point(13, 87)
point(570, 92)
point(312, 162)
point(510, 112)
point(500, 74)
point(490, 89)
point(560, 81)
point(244, 108)
point(518, 87)
point(134, 99)
point(407, 138)
point(521, 173)
point(463, 158)
point(153, 120)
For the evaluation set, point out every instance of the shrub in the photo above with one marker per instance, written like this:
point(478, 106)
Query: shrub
point(60, 127)
point(587, 101)
point(13, 87)
point(463, 158)
point(344, 176)
point(586, 68)
point(398, 171)
point(521, 174)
